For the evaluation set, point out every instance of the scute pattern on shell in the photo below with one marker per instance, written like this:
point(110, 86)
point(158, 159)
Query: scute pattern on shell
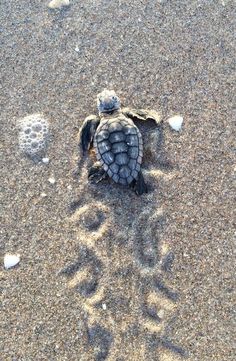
point(119, 147)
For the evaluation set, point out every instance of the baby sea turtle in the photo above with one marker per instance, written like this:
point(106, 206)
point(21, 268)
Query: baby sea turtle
point(117, 141)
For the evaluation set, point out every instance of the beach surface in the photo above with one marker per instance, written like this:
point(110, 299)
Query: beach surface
point(105, 274)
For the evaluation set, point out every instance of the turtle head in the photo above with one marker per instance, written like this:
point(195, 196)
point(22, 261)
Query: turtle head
point(107, 101)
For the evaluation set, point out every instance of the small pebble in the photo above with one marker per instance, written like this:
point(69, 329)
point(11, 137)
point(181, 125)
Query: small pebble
point(43, 195)
point(45, 160)
point(161, 313)
point(176, 122)
point(58, 4)
point(52, 180)
point(104, 306)
point(11, 260)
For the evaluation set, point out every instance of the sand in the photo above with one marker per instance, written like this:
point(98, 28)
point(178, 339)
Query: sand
point(96, 280)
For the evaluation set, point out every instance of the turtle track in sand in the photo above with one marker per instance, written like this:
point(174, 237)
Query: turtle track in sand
point(122, 276)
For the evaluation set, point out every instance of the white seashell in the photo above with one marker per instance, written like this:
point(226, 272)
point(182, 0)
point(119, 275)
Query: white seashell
point(161, 313)
point(176, 122)
point(52, 180)
point(104, 306)
point(11, 260)
point(45, 160)
point(43, 195)
point(58, 4)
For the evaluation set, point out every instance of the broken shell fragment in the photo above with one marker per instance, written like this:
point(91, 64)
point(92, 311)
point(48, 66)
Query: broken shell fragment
point(11, 260)
point(58, 4)
point(176, 122)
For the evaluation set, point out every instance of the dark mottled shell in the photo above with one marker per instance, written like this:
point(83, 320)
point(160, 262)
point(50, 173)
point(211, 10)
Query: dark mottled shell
point(119, 147)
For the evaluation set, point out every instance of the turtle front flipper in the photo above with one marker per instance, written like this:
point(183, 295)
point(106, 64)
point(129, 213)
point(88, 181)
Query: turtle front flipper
point(142, 114)
point(87, 131)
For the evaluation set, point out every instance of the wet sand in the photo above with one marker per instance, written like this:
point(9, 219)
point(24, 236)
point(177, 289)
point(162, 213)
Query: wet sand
point(93, 282)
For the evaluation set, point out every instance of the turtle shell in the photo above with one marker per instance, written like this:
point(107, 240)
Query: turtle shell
point(119, 147)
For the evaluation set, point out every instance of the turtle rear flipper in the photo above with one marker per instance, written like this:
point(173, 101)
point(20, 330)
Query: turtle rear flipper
point(142, 114)
point(96, 173)
point(87, 131)
point(139, 185)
